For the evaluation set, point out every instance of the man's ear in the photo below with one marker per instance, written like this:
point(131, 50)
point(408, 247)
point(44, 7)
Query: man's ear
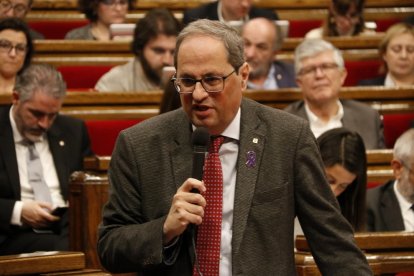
point(15, 97)
point(244, 71)
point(397, 168)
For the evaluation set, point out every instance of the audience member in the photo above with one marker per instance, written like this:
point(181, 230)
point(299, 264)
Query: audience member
point(39, 150)
point(170, 99)
point(153, 46)
point(227, 11)
point(101, 14)
point(397, 51)
point(390, 206)
point(272, 172)
point(16, 51)
point(320, 74)
point(18, 9)
point(344, 159)
point(262, 38)
point(409, 19)
point(345, 18)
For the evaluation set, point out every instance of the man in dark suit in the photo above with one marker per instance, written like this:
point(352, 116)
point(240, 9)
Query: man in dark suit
point(262, 38)
point(272, 172)
point(389, 206)
point(27, 223)
point(320, 74)
point(226, 11)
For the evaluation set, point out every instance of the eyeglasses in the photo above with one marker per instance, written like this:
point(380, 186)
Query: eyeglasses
point(6, 46)
point(211, 84)
point(353, 17)
point(18, 9)
point(324, 67)
point(112, 3)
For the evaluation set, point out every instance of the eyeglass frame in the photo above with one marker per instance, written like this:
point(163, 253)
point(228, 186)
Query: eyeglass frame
point(13, 6)
point(323, 67)
point(175, 80)
point(15, 47)
point(114, 2)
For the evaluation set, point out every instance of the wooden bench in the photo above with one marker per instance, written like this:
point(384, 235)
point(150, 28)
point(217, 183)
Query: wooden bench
point(392, 251)
point(41, 262)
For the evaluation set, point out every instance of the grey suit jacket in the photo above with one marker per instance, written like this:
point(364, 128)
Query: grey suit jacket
point(69, 144)
point(383, 209)
point(358, 117)
point(151, 161)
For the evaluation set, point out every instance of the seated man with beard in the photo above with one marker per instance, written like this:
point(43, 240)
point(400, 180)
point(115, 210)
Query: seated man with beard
point(153, 46)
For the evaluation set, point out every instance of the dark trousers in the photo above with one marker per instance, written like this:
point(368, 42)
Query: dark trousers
point(25, 240)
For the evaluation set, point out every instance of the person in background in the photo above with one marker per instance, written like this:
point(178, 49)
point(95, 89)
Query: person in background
point(397, 51)
point(390, 206)
point(18, 9)
point(153, 46)
point(262, 38)
point(344, 158)
point(39, 150)
point(16, 51)
point(101, 14)
point(320, 74)
point(271, 172)
point(227, 11)
point(345, 18)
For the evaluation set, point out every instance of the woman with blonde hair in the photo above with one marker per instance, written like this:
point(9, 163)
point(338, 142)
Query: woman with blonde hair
point(397, 52)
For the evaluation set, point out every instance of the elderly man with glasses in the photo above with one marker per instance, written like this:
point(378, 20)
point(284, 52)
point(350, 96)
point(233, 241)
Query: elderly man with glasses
point(266, 171)
point(19, 9)
point(320, 74)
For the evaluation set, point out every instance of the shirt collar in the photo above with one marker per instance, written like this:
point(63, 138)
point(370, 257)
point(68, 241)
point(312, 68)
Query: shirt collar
point(315, 119)
point(270, 82)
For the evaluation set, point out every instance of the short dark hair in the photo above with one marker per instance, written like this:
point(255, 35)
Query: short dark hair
point(90, 7)
point(344, 147)
point(156, 22)
point(16, 24)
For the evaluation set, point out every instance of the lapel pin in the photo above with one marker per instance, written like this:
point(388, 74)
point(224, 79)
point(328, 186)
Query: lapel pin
point(251, 159)
point(61, 143)
point(255, 140)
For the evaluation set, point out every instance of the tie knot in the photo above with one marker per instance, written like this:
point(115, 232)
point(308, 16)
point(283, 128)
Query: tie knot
point(217, 141)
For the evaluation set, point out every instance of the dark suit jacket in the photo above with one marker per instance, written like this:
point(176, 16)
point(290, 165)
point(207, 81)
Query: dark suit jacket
point(151, 161)
point(358, 117)
point(69, 143)
point(372, 82)
point(284, 74)
point(209, 11)
point(383, 209)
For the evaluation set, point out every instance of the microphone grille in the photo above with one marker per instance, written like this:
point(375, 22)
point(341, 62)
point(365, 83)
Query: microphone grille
point(201, 137)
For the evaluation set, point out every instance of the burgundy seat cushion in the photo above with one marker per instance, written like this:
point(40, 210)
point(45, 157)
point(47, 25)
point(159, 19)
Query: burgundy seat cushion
point(83, 76)
point(56, 29)
point(395, 125)
point(361, 69)
point(103, 133)
point(299, 28)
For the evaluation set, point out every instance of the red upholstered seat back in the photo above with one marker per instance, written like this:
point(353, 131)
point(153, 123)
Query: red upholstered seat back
point(395, 125)
point(83, 76)
point(299, 28)
point(103, 133)
point(56, 29)
point(361, 69)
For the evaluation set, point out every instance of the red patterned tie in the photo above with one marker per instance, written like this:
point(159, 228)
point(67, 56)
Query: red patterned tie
point(209, 232)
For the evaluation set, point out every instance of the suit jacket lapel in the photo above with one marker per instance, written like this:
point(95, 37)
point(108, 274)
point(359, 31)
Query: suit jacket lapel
point(391, 210)
point(9, 151)
point(252, 140)
point(57, 145)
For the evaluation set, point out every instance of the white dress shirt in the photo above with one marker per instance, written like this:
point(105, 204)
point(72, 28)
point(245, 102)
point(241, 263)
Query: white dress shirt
point(49, 172)
point(318, 126)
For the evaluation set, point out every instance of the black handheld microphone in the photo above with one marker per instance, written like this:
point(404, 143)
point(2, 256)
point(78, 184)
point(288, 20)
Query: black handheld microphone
point(200, 141)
